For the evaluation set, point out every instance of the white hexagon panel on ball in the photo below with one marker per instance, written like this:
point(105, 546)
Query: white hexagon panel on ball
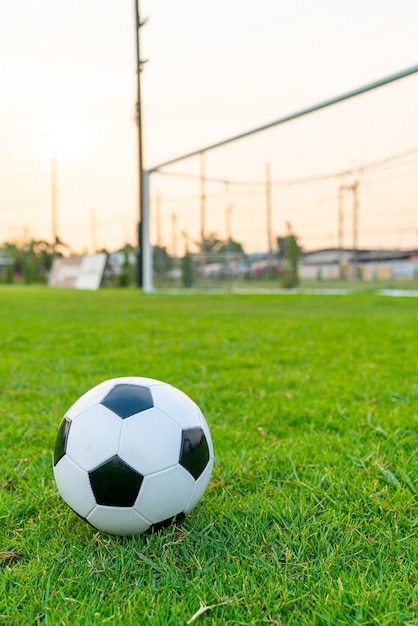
point(117, 521)
point(165, 494)
point(87, 446)
point(177, 405)
point(150, 441)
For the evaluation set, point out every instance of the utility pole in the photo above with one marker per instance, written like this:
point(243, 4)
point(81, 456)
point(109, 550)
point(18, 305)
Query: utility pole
point(202, 199)
point(54, 192)
point(186, 238)
point(354, 191)
point(93, 223)
point(174, 236)
point(54, 200)
point(202, 209)
point(124, 230)
point(141, 200)
point(340, 228)
point(158, 259)
point(158, 218)
point(228, 211)
point(268, 216)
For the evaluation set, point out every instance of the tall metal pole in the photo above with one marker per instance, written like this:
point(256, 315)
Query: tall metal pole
point(140, 268)
point(54, 201)
point(228, 211)
point(202, 199)
point(354, 189)
point(268, 217)
point(147, 286)
point(174, 236)
point(93, 223)
point(340, 229)
point(158, 218)
point(354, 257)
point(203, 208)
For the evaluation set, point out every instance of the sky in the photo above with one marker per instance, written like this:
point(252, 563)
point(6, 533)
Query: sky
point(213, 70)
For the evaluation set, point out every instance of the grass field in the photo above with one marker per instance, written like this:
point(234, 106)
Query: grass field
point(311, 514)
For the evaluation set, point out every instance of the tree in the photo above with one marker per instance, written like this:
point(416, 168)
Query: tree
point(32, 259)
point(289, 254)
point(187, 270)
point(210, 243)
point(231, 247)
point(162, 262)
point(127, 274)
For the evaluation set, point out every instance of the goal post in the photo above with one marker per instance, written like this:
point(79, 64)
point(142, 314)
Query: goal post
point(148, 285)
point(147, 264)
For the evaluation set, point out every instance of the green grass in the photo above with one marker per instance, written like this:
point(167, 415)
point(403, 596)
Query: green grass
point(262, 284)
point(311, 513)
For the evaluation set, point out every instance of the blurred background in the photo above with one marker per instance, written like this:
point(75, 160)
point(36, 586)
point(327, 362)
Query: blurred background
point(338, 187)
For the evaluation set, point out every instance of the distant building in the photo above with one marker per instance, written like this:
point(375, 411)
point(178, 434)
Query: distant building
point(335, 263)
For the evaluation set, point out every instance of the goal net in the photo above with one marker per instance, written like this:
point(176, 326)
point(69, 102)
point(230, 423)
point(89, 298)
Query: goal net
point(340, 185)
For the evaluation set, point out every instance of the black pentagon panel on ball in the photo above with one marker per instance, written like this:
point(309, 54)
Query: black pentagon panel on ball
point(194, 454)
point(115, 483)
point(126, 400)
point(61, 440)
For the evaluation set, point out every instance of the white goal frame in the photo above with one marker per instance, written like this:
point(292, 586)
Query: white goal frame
point(147, 269)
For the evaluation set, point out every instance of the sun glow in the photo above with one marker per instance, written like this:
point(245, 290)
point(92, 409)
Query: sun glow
point(67, 137)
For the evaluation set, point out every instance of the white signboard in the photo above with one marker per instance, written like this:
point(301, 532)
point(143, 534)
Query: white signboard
point(64, 272)
point(91, 271)
point(83, 272)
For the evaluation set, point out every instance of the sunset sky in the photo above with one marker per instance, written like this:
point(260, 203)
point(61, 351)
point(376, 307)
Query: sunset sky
point(214, 70)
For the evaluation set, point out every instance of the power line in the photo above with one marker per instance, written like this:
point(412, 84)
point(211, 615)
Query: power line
point(352, 170)
point(358, 169)
point(287, 118)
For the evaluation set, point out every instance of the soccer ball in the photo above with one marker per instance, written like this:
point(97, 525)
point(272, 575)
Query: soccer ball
point(132, 453)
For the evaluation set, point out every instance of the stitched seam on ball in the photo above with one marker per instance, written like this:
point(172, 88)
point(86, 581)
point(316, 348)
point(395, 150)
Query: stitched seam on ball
point(190, 497)
point(88, 477)
point(120, 439)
